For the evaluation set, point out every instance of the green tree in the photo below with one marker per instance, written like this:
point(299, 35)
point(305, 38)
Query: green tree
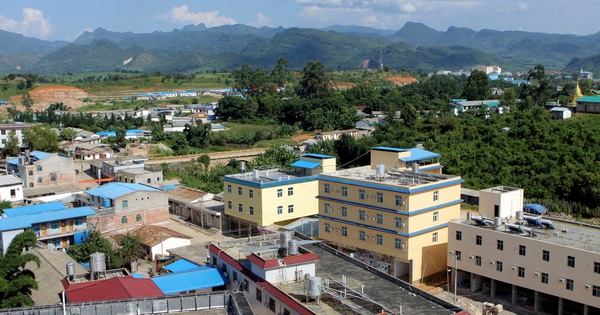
point(315, 81)
point(234, 108)
point(130, 248)
point(198, 136)
point(95, 243)
point(477, 86)
point(67, 134)
point(281, 72)
point(16, 282)
point(11, 147)
point(27, 101)
point(40, 138)
point(5, 204)
point(250, 80)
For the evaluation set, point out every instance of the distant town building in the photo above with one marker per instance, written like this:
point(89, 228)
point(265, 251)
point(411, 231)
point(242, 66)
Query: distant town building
point(7, 130)
point(38, 169)
point(489, 69)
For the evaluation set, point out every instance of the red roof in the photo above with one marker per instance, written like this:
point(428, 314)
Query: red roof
point(289, 261)
point(117, 288)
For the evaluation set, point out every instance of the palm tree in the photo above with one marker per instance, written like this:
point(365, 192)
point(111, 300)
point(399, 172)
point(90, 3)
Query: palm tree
point(16, 282)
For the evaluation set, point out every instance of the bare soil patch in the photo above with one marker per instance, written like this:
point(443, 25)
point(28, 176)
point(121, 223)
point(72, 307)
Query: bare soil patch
point(401, 80)
point(43, 96)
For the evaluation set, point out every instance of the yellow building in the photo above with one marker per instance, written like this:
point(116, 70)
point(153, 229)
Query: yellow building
point(392, 214)
point(273, 196)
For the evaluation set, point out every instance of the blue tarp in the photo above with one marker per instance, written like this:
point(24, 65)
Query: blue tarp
point(79, 237)
point(305, 164)
point(182, 265)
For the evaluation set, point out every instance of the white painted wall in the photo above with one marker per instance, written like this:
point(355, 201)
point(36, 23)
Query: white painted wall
point(170, 243)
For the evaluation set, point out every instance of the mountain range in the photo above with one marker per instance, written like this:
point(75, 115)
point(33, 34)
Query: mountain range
point(199, 48)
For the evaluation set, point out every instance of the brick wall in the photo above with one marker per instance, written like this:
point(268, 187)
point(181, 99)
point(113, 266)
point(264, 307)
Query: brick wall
point(112, 223)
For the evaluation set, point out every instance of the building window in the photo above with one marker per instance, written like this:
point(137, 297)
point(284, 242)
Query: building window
point(327, 188)
point(379, 218)
point(123, 219)
point(344, 191)
point(54, 225)
point(258, 295)
point(240, 208)
point(361, 235)
point(571, 261)
point(76, 222)
point(291, 209)
point(459, 235)
point(499, 266)
point(124, 203)
point(30, 172)
point(30, 184)
point(13, 193)
point(398, 222)
point(399, 200)
point(570, 284)
point(436, 195)
point(478, 240)
point(344, 211)
point(379, 239)
point(251, 210)
point(522, 250)
point(500, 245)
point(3, 132)
point(40, 180)
point(272, 304)
point(478, 260)
point(521, 272)
point(279, 209)
point(458, 255)
point(291, 191)
point(362, 194)
point(380, 197)
point(344, 231)
point(229, 206)
point(544, 278)
point(279, 193)
point(596, 291)
point(434, 238)
point(286, 311)
point(327, 208)
point(435, 216)
point(361, 215)
point(138, 218)
point(398, 243)
point(240, 192)
point(229, 189)
point(53, 178)
point(38, 168)
point(597, 267)
point(149, 180)
point(546, 255)
point(250, 193)
point(327, 227)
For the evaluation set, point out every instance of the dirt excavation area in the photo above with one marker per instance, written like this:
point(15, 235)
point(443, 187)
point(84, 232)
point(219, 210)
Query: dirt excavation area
point(45, 95)
point(401, 80)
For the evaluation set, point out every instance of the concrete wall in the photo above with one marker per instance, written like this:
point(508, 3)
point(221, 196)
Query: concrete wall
point(169, 243)
point(5, 193)
point(112, 223)
point(6, 238)
point(57, 167)
point(508, 202)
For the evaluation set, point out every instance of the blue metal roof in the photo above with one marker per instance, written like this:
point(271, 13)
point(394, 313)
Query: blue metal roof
point(417, 154)
point(389, 149)
point(305, 164)
point(25, 221)
point(13, 161)
point(318, 156)
point(34, 209)
point(183, 265)
point(169, 187)
point(40, 155)
point(191, 280)
point(137, 276)
point(114, 190)
point(107, 133)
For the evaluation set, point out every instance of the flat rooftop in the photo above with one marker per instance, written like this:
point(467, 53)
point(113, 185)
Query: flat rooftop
point(393, 177)
point(271, 175)
point(566, 233)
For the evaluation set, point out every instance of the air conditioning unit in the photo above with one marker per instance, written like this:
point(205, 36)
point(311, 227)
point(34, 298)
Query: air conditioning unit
point(514, 267)
point(373, 218)
point(471, 257)
point(339, 231)
point(373, 239)
point(403, 202)
point(561, 279)
point(338, 211)
point(365, 238)
point(493, 262)
point(588, 286)
point(402, 225)
point(327, 209)
point(537, 274)
point(451, 252)
point(401, 246)
point(338, 191)
point(328, 229)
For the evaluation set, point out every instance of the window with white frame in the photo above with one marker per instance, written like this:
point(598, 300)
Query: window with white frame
point(434, 237)
point(327, 188)
point(436, 215)
point(291, 191)
point(291, 209)
point(436, 195)
point(344, 211)
point(279, 209)
point(362, 194)
point(379, 239)
point(344, 191)
point(379, 197)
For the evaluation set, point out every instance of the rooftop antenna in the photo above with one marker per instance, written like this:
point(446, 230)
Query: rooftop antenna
point(380, 60)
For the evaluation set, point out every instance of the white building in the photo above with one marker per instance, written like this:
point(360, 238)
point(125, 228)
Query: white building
point(11, 188)
point(501, 201)
point(6, 130)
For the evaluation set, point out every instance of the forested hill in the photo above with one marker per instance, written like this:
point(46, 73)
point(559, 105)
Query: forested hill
point(198, 48)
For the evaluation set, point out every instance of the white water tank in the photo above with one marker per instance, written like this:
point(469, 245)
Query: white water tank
point(293, 248)
point(70, 270)
point(497, 221)
point(97, 262)
point(284, 238)
point(519, 216)
point(314, 287)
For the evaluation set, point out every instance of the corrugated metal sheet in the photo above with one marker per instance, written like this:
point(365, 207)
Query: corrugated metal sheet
point(113, 190)
point(305, 164)
point(183, 265)
point(24, 221)
point(33, 209)
point(191, 280)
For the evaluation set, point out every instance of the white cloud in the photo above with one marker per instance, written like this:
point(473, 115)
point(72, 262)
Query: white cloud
point(388, 6)
point(182, 14)
point(261, 20)
point(33, 24)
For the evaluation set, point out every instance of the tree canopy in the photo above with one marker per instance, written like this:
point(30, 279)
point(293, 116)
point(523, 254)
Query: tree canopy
point(16, 282)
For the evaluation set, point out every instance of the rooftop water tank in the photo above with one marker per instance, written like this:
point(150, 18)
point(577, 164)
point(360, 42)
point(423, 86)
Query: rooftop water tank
point(293, 248)
point(497, 221)
point(106, 203)
point(314, 287)
point(284, 238)
point(519, 216)
point(380, 170)
point(97, 262)
point(70, 270)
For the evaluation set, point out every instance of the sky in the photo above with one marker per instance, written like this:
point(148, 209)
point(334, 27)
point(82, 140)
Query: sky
point(67, 19)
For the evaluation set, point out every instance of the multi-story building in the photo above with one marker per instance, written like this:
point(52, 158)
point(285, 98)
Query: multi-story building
point(393, 214)
point(6, 131)
point(11, 189)
point(550, 270)
point(39, 169)
point(53, 223)
point(263, 197)
point(123, 206)
point(140, 176)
